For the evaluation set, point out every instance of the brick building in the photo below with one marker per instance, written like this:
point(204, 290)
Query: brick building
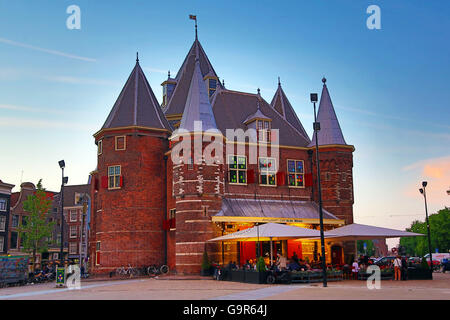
point(147, 209)
point(18, 217)
point(5, 202)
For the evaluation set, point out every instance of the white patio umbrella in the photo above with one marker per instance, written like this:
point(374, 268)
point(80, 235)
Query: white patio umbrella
point(357, 231)
point(270, 232)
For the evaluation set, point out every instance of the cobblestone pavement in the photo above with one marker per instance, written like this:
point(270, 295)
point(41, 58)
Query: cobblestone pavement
point(189, 288)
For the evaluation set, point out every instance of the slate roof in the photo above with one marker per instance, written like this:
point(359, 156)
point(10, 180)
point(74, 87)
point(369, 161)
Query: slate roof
point(198, 106)
point(281, 104)
point(232, 108)
point(178, 99)
point(137, 105)
point(330, 131)
point(257, 115)
point(272, 209)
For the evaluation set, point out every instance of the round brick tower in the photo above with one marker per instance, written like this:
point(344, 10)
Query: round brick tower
point(336, 166)
point(198, 179)
point(129, 194)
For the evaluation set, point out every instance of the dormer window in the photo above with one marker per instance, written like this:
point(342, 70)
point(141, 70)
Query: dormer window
point(264, 128)
point(168, 88)
point(211, 84)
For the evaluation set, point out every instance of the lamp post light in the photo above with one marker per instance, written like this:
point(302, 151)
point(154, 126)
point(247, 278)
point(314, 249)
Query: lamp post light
point(64, 180)
point(314, 99)
point(423, 191)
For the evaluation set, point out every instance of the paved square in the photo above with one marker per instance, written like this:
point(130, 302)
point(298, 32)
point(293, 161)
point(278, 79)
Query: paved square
point(199, 289)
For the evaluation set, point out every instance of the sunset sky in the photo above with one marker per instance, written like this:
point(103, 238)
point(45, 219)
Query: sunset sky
point(390, 87)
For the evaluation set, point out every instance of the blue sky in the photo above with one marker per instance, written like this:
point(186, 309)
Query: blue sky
point(389, 86)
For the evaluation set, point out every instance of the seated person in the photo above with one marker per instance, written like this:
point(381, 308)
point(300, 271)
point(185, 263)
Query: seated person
point(293, 265)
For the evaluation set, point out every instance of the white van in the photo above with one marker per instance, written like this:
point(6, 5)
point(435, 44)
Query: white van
point(437, 256)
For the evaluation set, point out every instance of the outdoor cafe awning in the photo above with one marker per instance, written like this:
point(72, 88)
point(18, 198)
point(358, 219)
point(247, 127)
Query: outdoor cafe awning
point(270, 231)
point(365, 232)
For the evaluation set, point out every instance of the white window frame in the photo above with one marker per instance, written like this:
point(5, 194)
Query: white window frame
point(2, 243)
point(12, 221)
point(71, 233)
point(3, 204)
point(295, 173)
point(237, 169)
point(271, 171)
point(71, 212)
point(2, 223)
point(73, 248)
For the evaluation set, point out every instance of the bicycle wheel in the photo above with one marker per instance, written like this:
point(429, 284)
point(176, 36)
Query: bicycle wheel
point(152, 270)
point(164, 269)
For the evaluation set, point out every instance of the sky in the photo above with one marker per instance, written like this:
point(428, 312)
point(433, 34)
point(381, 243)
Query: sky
point(389, 86)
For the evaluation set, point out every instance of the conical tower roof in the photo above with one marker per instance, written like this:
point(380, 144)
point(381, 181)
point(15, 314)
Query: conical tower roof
point(137, 105)
point(198, 106)
point(183, 78)
point(281, 104)
point(330, 131)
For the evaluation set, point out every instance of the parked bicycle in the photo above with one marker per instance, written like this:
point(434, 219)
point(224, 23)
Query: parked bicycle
point(131, 271)
point(154, 270)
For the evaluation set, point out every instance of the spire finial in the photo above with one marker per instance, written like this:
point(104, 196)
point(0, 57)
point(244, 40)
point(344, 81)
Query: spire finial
point(259, 91)
point(324, 80)
point(168, 75)
point(137, 56)
point(279, 82)
point(223, 83)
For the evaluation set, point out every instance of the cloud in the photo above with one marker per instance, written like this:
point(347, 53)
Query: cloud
point(391, 117)
point(78, 80)
point(155, 70)
point(29, 109)
point(53, 52)
point(436, 172)
point(24, 123)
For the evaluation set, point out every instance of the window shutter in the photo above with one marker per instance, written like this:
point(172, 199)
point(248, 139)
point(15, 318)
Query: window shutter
point(105, 182)
point(121, 181)
point(96, 184)
point(172, 223)
point(308, 180)
point(281, 178)
point(250, 176)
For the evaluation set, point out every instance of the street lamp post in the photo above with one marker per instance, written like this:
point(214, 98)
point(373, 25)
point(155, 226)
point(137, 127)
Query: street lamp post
point(314, 100)
point(423, 191)
point(64, 180)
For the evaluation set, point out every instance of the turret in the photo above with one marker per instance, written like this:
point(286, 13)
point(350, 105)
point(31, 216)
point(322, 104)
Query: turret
point(198, 179)
point(129, 191)
point(336, 161)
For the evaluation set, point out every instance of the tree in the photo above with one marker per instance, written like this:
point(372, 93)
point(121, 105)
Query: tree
point(36, 229)
point(370, 249)
point(439, 230)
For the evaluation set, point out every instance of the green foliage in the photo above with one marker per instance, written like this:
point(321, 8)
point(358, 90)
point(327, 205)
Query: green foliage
point(36, 229)
point(261, 265)
point(424, 264)
point(440, 235)
point(205, 261)
point(370, 250)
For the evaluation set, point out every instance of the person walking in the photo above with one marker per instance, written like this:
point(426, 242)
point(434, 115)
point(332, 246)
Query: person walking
point(397, 268)
point(355, 269)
